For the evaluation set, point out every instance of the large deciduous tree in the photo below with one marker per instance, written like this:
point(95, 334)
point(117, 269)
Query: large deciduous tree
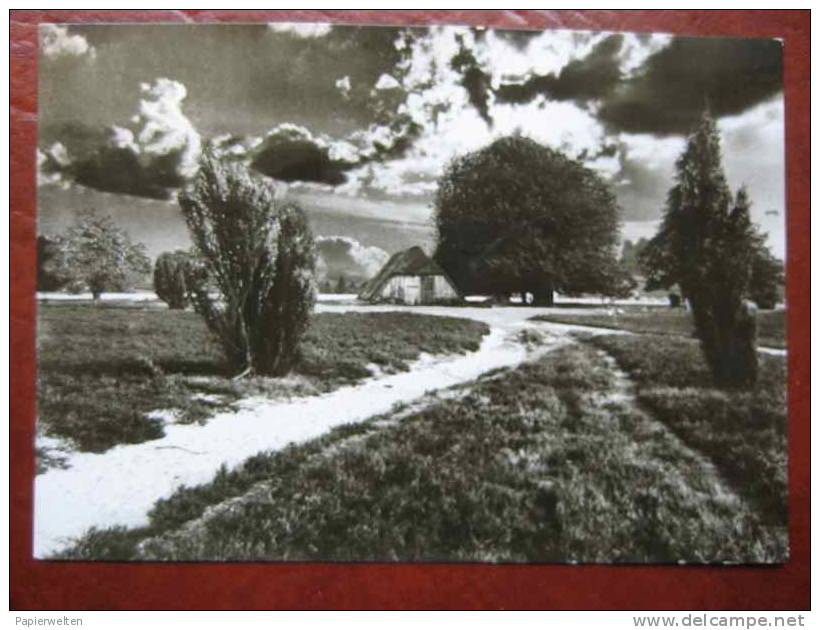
point(707, 244)
point(517, 216)
point(259, 254)
point(99, 256)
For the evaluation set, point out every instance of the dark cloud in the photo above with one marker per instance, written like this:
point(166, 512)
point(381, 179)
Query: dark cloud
point(120, 170)
point(93, 158)
point(151, 158)
point(669, 92)
point(591, 77)
point(290, 154)
point(293, 154)
point(473, 79)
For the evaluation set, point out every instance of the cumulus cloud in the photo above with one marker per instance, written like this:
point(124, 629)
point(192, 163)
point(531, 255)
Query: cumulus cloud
point(302, 30)
point(164, 130)
point(291, 153)
point(56, 42)
point(344, 256)
point(151, 159)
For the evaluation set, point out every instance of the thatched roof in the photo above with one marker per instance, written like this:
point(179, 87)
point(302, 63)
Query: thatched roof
point(410, 262)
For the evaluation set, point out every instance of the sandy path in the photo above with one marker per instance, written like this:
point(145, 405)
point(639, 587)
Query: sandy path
point(120, 486)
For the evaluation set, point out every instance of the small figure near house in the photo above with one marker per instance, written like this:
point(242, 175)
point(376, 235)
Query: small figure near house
point(411, 277)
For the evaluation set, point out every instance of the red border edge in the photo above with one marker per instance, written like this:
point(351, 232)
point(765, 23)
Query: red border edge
point(38, 585)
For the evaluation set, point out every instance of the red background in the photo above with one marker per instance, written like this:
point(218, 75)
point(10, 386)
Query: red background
point(86, 585)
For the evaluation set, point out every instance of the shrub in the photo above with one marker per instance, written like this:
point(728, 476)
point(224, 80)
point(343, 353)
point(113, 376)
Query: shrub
point(171, 277)
point(260, 254)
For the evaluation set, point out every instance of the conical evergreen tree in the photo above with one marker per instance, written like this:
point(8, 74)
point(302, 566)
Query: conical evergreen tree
point(707, 242)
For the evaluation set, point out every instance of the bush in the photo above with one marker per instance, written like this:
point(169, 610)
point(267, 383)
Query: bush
point(171, 276)
point(260, 254)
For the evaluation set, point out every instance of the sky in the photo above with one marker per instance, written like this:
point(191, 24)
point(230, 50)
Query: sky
point(358, 123)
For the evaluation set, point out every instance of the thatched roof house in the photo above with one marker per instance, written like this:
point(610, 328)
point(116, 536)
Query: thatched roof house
point(411, 277)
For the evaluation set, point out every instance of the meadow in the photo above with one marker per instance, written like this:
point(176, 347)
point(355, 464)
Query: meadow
point(744, 433)
point(102, 370)
point(601, 451)
point(771, 325)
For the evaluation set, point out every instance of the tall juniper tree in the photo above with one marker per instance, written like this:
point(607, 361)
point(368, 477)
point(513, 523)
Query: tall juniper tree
point(707, 244)
point(260, 255)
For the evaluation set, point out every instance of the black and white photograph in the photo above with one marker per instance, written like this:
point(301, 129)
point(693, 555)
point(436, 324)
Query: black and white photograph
point(323, 292)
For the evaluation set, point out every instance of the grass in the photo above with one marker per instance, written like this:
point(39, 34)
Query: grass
point(743, 433)
point(545, 462)
point(667, 321)
point(101, 370)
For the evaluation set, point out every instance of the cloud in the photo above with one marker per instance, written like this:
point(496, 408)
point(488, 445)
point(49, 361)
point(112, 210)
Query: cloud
point(51, 162)
point(291, 153)
point(233, 146)
point(672, 87)
point(445, 110)
point(164, 130)
point(56, 43)
point(473, 77)
point(386, 82)
point(302, 30)
point(343, 85)
point(341, 255)
point(150, 160)
point(589, 77)
point(552, 87)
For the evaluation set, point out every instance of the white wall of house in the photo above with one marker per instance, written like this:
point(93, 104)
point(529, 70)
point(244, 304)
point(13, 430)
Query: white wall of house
point(443, 289)
point(407, 289)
